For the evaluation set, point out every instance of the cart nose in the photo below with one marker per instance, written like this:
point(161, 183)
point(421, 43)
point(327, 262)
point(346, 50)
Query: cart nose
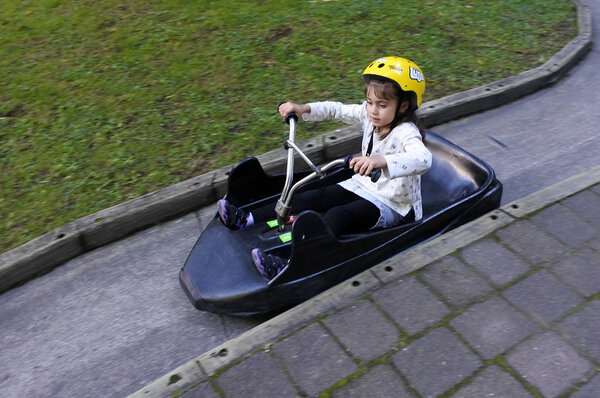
point(190, 290)
point(219, 268)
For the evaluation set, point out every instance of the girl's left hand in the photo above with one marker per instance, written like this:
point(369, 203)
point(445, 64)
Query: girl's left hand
point(363, 165)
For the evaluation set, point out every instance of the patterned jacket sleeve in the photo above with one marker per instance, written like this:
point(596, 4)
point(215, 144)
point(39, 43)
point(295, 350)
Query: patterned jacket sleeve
point(330, 110)
point(415, 158)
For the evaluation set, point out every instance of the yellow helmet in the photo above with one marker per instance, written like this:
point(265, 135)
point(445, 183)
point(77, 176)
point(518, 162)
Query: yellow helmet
point(404, 72)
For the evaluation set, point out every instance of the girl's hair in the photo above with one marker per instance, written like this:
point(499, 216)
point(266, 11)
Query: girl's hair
point(389, 90)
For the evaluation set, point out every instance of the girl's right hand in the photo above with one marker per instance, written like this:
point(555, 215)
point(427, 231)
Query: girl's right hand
point(298, 109)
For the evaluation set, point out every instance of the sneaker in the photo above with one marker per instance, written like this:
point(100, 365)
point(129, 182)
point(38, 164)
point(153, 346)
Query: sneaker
point(232, 217)
point(267, 264)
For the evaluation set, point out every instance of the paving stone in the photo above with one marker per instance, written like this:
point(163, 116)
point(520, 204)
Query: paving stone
point(590, 390)
point(564, 224)
point(258, 374)
point(493, 382)
point(204, 390)
point(363, 330)
point(595, 244)
point(493, 327)
point(410, 304)
point(587, 204)
point(436, 362)
point(583, 329)
point(380, 381)
point(581, 270)
point(314, 359)
point(549, 364)
point(543, 295)
point(531, 242)
point(495, 261)
point(455, 281)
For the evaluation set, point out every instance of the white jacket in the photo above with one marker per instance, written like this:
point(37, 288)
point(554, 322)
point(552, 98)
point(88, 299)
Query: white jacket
point(399, 187)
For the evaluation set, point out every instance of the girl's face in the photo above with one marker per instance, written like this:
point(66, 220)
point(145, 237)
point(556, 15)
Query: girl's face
point(381, 111)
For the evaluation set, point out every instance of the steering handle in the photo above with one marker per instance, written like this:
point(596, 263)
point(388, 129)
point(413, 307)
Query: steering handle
point(375, 173)
point(291, 115)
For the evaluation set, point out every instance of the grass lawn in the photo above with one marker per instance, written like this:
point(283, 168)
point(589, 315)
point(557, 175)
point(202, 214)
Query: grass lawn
point(103, 101)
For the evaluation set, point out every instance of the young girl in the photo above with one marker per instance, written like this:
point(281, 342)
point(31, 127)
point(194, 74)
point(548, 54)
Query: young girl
point(392, 141)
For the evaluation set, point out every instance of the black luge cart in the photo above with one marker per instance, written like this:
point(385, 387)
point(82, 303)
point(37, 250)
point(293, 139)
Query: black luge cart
point(219, 275)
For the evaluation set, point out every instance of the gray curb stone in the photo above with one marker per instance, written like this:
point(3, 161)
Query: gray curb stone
point(58, 246)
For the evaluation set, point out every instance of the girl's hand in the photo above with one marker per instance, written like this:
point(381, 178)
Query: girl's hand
point(363, 165)
point(298, 109)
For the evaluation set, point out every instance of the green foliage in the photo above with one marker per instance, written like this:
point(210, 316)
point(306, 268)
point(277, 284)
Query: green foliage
point(102, 101)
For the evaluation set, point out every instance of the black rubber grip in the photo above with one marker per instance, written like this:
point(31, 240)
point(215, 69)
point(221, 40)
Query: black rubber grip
point(375, 174)
point(289, 116)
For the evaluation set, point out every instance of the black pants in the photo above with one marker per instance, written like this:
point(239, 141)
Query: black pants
point(344, 211)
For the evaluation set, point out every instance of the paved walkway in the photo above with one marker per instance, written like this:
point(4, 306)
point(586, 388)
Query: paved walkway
point(505, 306)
